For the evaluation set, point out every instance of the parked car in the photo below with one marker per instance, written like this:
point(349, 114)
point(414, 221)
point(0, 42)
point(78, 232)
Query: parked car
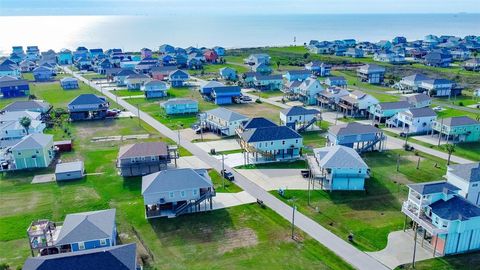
point(403, 134)
point(228, 175)
point(437, 108)
point(246, 98)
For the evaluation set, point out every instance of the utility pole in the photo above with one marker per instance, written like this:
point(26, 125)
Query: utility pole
point(414, 245)
point(293, 221)
point(440, 132)
point(398, 162)
point(223, 171)
point(138, 114)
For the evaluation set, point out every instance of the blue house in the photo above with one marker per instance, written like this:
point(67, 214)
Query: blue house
point(262, 68)
point(299, 118)
point(166, 49)
point(357, 136)
point(399, 40)
point(88, 107)
point(297, 75)
point(207, 88)
point(371, 73)
point(318, 68)
point(68, 83)
point(271, 143)
point(267, 82)
point(102, 66)
point(65, 57)
point(180, 106)
point(220, 51)
point(354, 52)
point(13, 87)
point(42, 73)
point(194, 63)
point(122, 257)
point(122, 75)
point(9, 70)
point(338, 168)
point(225, 94)
point(178, 78)
point(438, 59)
point(96, 53)
point(79, 232)
point(33, 53)
point(155, 89)
point(228, 73)
point(338, 81)
point(450, 222)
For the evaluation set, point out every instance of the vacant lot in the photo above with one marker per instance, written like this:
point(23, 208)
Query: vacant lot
point(457, 262)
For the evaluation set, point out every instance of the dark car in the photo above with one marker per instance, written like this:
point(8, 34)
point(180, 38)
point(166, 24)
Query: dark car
point(246, 98)
point(403, 134)
point(228, 175)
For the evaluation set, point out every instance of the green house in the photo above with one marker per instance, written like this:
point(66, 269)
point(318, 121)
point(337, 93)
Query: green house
point(458, 129)
point(33, 151)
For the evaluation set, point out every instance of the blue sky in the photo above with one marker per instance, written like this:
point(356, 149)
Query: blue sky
point(152, 7)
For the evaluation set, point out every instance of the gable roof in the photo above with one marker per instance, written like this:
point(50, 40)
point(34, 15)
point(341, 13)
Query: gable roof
point(352, 129)
point(421, 112)
point(418, 77)
point(394, 105)
point(369, 68)
point(126, 72)
point(273, 133)
point(457, 208)
point(87, 99)
point(175, 179)
point(7, 81)
point(433, 187)
point(298, 110)
point(33, 141)
point(179, 72)
point(122, 257)
point(226, 114)
point(339, 156)
point(258, 122)
point(69, 167)
point(145, 149)
point(87, 226)
point(27, 105)
point(469, 172)
point(299, 72)
point(417, 98)
point(229, 89)
point(211, 84)
point(459, 121)
point(179, 101)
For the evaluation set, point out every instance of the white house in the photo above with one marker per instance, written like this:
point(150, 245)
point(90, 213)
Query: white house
point(357, 103)
point(438, 87)
point(419, 100)
point(414, 120)
point(467, 178)
point(299, 118)
point(223, 121)
point(11, 130)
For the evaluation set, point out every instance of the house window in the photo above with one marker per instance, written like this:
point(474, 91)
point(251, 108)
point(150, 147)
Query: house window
point(475, 185)
point(296, 141)
point(182, 193)
point(195, 192)
point(103, 242)
point(170, 194)
point(81, 245)
point(152, 158)
point(283, 142)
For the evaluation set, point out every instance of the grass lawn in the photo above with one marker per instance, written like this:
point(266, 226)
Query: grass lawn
point(297, 164)
point(91, 76)
point(218, 182)
point(457, 262)
point(242, 237)
point(449, 112)
point(267, 94)
point(373, 214)
point(127, 93)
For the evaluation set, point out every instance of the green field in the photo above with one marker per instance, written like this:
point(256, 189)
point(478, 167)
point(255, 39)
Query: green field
point(373, 214)
point(468, 261)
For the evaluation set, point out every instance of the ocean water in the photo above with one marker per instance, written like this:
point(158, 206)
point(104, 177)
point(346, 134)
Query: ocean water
point(135, 32)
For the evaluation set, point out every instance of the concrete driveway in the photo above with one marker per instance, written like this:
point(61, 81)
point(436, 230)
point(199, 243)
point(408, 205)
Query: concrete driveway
point(190, 162)
point(399, 250)
point(429, 139)
point(220, 145)
point(189, 134)
point(225, 200)
point(273, 179)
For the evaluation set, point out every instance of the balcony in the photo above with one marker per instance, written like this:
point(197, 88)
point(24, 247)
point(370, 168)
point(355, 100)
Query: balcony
point(422, 219)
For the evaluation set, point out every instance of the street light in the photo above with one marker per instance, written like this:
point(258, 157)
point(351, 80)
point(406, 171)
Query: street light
point(223, 170)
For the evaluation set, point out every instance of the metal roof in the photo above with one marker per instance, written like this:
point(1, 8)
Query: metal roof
point(226, 114)
point(175, 179)
point(145, 149)
point(339, 156)
point(433, 187)
point(457, 208)
point(269, 134)
point(469, 172)
point(67, 167)
point(352, 129)
point(33, 141)
point(299, 110)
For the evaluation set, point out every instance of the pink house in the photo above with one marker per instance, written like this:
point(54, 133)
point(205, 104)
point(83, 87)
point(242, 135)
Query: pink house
point(161, 73)
point(145, 53)
point(210, 56)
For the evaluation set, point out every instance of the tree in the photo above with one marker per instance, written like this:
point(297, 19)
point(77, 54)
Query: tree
point(278, 65)
point(306, 55)
point(450, 149)
point(25, 122)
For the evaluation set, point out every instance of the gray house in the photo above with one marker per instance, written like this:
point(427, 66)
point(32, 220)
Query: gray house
point(144, 158)
point(355, 135)
point(171, 193)
point(88, 107)
point(69, 171)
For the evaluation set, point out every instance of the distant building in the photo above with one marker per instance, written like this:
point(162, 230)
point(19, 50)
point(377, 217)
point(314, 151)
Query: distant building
point(318, 68)
point(68, 83)
point(371, 73)
point(338, 81)
point(384, 110)
point(180, 106)
point(13, 87)
point(144, 158)
point(88, 107)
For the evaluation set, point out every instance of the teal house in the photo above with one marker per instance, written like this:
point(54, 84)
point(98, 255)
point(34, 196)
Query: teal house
point(457, 129)
point(338, 168)
point(33, 151)
point(180, 106)
point(449, 223)
point(228, 73)
point(65, 57)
